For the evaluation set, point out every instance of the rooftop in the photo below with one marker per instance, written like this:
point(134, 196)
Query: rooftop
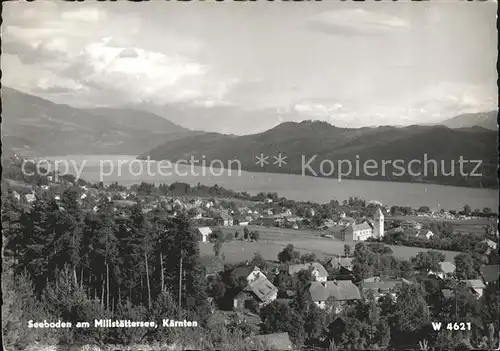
point(490, 273)
point(341, 290)
point(204, 230)
point(447, 267)
point(262, 288)
point(243, 271)
point(474, 284)
point(296, 268)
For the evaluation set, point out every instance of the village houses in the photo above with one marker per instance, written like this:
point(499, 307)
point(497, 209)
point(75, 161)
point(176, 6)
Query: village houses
point(339, 292)
point(381, 287)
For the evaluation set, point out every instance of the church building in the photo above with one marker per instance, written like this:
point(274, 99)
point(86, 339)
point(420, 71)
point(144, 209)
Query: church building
point(365, 230)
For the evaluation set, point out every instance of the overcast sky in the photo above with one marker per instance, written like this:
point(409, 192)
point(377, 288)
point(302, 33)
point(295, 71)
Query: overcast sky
point(349, 63)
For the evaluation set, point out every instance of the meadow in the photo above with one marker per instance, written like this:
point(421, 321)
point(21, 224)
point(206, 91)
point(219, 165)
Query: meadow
point(466, 226)
point(273, 240)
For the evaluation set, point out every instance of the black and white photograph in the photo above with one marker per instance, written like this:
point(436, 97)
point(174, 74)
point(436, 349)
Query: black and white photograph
point(250, 175)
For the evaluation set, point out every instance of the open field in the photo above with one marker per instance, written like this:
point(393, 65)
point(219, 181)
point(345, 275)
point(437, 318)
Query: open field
point(455, 222)
point(18, 185)
point(239, 251)
point(273, 233)
point(467, 226)
point(237, 201)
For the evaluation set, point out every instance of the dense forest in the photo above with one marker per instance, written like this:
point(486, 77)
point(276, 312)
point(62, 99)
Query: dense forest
point(75, 265)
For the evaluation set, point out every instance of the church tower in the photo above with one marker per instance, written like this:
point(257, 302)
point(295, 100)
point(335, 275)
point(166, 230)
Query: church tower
point(378, 223)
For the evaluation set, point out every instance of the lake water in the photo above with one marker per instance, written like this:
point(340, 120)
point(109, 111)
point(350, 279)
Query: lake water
point(106, 168)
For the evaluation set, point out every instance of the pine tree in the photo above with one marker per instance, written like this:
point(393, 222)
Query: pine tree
point(183, 241)
point(105, 253)
point(39, 233)
point(12, 228)
point(142, 243)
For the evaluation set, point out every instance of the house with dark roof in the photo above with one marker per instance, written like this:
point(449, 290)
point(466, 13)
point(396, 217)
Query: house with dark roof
point(247, 272)
point(319, 272)
point(337, 291)
point(287, 272)
point(264, 221)
point(490, 273)
point(340, 262)
point(342, 266)
point(260, 290)
point(211, 265)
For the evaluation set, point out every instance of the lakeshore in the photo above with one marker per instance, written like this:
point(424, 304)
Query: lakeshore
point(296, 187)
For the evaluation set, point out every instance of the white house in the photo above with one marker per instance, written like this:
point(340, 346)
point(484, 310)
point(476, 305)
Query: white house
point(319, 272)
point(204, 232)
point(30, 197)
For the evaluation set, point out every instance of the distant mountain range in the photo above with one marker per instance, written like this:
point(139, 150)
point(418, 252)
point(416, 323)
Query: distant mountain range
point(306, 139)
point(35, 126)
point(486, 120)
